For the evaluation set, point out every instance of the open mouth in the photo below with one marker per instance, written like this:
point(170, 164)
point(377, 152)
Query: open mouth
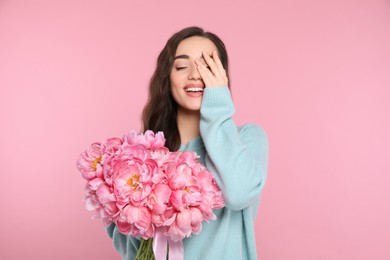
point(193, 89)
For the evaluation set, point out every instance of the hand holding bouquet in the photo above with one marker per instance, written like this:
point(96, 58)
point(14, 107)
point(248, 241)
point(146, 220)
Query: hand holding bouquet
point(146, 190)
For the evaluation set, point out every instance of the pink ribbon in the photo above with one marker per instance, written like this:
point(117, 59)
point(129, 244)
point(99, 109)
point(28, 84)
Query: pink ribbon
point(160, 245)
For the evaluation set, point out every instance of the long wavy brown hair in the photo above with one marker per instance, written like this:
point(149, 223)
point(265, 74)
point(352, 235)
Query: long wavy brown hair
point(160, 111)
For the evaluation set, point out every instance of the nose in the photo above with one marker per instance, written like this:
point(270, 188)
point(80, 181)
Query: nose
point(194, 73)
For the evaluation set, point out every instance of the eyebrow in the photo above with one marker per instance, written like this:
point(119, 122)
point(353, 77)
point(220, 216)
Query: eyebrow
point(183, 56)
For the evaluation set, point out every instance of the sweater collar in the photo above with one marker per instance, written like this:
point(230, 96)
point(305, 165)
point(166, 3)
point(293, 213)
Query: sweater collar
point(194, 144)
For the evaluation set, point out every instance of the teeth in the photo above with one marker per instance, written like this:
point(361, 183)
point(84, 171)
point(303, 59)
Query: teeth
point(194, 89)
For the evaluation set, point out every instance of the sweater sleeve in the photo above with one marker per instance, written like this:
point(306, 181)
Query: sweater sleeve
point(127, 246)
point(237, 156)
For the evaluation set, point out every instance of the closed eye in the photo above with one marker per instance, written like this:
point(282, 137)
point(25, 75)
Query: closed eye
point(180, 68)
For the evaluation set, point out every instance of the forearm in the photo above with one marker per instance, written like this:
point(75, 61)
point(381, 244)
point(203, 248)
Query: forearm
point(238, 156)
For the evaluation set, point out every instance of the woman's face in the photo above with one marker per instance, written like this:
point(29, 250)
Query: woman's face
point(186, 84)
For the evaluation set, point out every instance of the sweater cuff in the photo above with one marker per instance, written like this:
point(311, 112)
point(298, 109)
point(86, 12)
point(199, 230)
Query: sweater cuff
point(214, 97)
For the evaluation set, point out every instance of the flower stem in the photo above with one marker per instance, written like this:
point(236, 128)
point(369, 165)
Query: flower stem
point(145, 251)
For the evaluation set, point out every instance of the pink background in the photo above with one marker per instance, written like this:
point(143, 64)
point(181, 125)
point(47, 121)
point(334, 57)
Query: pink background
point(314, 74)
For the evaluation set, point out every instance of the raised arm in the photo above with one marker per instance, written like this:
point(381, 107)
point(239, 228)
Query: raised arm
point(237, 156)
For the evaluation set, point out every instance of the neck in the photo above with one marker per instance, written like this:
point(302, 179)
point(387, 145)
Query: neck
point(188, 124)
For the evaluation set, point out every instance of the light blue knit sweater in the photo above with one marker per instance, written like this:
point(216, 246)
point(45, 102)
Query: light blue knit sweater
point(238, 157)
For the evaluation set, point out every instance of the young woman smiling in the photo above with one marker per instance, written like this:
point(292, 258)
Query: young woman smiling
point(190, 101)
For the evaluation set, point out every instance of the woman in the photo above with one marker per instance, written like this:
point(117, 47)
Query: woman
point(190, 101)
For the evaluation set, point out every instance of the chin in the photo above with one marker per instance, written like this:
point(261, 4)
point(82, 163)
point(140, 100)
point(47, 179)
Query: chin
point(190, 108)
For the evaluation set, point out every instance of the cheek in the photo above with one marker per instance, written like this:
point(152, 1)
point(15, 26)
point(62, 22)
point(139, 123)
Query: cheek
point(174, 86)
point(176, 79)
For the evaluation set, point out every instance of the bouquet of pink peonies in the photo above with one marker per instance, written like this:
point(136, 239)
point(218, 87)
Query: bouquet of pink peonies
point(146, 190)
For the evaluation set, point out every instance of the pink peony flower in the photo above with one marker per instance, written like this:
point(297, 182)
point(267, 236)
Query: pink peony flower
point(105, 193)
point(139, 218)
point(159, 198)
point(181, 227)
point(133, 182)
point(155, 141)
point(89, 162)
point(148, 139)
point(179, 176)
point(110, 168)
point(103, 208)
point(135, 151)
point(196, 220)
point(192, 196)
point(113, 145)
point(165, 219)
point(190, 159)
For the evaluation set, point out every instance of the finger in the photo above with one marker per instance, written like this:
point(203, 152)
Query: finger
point(206, 75)
point(210, 62)
point(218, 70)
point(204, 64)
point(198, 61)
point(217, 60)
